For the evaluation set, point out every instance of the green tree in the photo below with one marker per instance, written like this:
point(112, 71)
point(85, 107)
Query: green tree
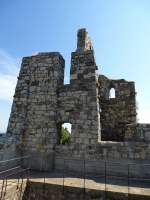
point(65, 136)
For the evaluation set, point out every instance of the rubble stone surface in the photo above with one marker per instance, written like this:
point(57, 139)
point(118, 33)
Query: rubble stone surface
point(102, 127)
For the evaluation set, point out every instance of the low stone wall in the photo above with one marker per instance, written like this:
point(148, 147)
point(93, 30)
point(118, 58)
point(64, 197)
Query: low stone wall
point(138, 132)
point(118, 156)
point(7, 147)
point(106, 150)
point(7, 151)
point(41, 161)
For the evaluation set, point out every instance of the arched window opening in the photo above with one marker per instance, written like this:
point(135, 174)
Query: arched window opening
point(112, 93)
point(65, 133)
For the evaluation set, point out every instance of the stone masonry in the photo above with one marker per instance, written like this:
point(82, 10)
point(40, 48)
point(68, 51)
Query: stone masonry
point(102, 127)
point(118, 112)
point(42, 102)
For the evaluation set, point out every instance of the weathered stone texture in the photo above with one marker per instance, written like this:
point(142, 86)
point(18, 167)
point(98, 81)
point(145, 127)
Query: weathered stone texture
point(35, 102)
point(138, 132)
point(8, 147)
point(118, 112)
point(42, 103)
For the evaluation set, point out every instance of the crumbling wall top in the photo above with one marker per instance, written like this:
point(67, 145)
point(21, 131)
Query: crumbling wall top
point(84, 42)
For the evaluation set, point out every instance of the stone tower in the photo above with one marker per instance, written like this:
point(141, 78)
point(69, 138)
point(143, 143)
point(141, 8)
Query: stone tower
point(42, 102)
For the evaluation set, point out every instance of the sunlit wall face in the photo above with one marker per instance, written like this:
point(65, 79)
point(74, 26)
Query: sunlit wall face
point(119, 29)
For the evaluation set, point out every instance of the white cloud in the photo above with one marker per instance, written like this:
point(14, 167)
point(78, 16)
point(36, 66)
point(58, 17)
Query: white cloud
point(7, 86)
point(9, 68)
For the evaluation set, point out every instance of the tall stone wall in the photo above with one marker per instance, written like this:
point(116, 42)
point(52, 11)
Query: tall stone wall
point(34, 110)
point(78, 102)
point(117, 112)
point(42, 103)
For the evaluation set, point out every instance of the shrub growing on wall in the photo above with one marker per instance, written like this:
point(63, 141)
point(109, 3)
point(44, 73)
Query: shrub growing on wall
point(65, 136)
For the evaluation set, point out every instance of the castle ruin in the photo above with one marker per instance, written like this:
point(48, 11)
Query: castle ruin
point(103, 128)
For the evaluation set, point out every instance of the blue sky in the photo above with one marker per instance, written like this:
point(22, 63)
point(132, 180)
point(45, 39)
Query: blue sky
point(120, 31)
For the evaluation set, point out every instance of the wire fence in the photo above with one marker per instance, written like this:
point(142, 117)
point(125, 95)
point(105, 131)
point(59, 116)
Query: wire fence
point(104, 176)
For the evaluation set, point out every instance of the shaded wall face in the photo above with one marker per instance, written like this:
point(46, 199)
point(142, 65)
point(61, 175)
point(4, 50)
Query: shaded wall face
point(138, 132)
point(116, 112)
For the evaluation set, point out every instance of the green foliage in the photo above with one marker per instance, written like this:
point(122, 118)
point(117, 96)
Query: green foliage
point(64, 136)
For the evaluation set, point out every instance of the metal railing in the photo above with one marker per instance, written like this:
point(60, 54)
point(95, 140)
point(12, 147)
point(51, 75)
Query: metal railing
point(103, 173)
point(12, 174)
point(107, 175)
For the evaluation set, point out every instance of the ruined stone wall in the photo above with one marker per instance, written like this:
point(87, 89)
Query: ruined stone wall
point(117, 112)
point(138, 132)
point(42, 103)
point(118, 156)
point(34, 109)
point(8, 148)
point(107, 151)
point(78, 102)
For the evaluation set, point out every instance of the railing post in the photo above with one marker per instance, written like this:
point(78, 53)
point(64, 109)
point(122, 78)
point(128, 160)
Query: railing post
point(84, 175)
point(17, 183)
point(5, 187)
point(63, 176)
point(28, 180)
point(128, 181)
point(21, 185)
point(44, 168)
point(28, 175)
point(2, 189)
point(105, 178)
